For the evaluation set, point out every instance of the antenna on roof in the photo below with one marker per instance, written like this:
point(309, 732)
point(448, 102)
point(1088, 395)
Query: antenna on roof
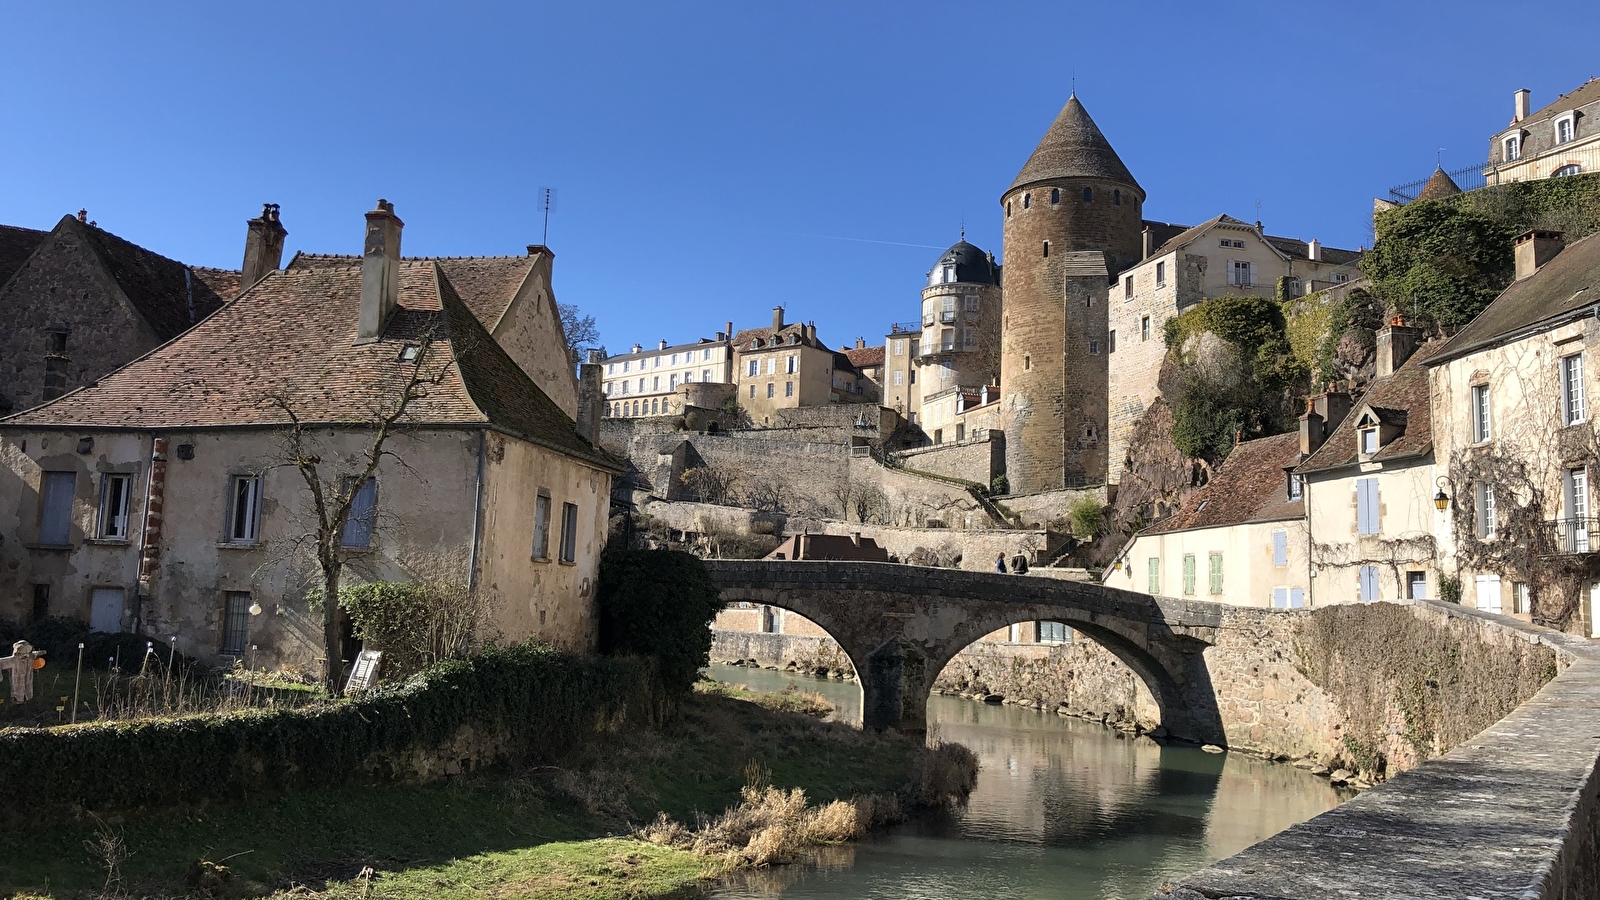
point(1438, 158)
point(547, 202)
point(963, 228)
point(1074, 81)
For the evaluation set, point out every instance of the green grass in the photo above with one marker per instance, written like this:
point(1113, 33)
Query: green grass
point(553, 831)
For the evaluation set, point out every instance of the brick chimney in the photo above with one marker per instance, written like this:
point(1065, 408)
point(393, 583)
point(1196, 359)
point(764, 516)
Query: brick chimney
point(380, 271)
point(1396, 342)
point(777, 317)
point(591, 398)
point(263, 246)
point(1534, 249)
point(1521, 104)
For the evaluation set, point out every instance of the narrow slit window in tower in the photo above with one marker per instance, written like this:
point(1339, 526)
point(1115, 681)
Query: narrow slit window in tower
point(1055, 196)
point(1027, 363)
point(1047, 248)
point(1088, 195)
point(1116, 198)
point(1027, 201)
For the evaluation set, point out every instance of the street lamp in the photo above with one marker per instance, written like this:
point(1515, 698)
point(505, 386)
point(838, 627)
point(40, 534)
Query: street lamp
point(1441, 500)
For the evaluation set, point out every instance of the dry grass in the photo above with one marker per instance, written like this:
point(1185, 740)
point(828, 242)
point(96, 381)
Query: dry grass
point(791, 699)
point(949, 773)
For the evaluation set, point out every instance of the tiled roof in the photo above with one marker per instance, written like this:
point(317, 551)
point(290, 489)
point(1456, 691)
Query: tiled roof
point(865, 357)
point(294, 334)
point(16, 245)
point(1564, 285)
point(163, 290)
point(1402, 400)
point(1439, 186)
point(1251, 485)
point(487, 284)
point(742, 339)
point(1083, 264)
point(1588, 92)
point(658, 350)
point(1183, 238)
point(1290, 247)
point(1073, 147)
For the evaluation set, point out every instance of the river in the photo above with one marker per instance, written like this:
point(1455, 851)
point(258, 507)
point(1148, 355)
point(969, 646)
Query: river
point(1063, 809)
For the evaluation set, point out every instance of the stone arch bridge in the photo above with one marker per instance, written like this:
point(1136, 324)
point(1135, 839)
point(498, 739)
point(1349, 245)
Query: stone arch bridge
point(901, 624)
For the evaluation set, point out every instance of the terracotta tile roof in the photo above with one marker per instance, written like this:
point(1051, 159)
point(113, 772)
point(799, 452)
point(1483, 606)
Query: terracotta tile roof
point(742, 339)
point(164, 291)
point(487, 284)
point(222, 283)
point(1566, 284)
point(1439, 186)
point(1251, 485)
point(16, 245)
point(1403, 400)
point(294, 333)
point(865, 357)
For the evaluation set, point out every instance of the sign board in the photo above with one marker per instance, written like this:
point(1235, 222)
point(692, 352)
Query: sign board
point(364, 672)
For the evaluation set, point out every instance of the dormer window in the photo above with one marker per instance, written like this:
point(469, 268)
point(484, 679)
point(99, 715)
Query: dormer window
point(1296, 487)
point(1513, 147)
point(1369, 441)
point(1565, 128)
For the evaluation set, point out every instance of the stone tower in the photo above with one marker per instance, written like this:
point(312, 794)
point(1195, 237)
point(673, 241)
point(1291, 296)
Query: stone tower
point(1073, 220)
point(960, 345)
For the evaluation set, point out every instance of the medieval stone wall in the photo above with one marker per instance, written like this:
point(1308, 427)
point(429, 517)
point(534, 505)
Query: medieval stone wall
point(977, 459)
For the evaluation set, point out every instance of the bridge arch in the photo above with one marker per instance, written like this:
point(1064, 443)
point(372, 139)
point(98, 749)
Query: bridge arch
point(900, 625)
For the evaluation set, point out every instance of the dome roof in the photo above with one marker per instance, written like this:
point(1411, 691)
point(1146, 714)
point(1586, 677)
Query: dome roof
point(972, 266)
point(1073, 148)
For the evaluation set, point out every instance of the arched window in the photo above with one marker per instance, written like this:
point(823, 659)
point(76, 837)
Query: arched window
point(1088, 195)
point(1116, 198)
point(1027, 201)
point(1055, 196)
point(1572, 169)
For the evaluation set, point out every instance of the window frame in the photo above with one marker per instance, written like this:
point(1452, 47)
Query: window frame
point(1153, 576)
point(1511, 147)
point(1482, 420)
point(1485, 522)
point(103, 528)
point(252, 511)
point(1574, 399)
point(1569, 119)
point(541, 526)
point(235, 621)
point(569, 534)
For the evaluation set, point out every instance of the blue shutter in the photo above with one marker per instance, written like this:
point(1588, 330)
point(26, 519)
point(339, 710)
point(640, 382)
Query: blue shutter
point(55, 507)
point(1369, 584)
point(1280, 548)
point(1367, 506)
point(358, 525)
point(1297, 598)
point(1280, 598)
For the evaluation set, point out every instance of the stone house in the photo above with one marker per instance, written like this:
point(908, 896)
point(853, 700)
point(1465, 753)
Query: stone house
point(1241, 539)
point(1221, 256)
point(1561, 138)
point(782, 367)
point(77, 302)
point(1369, 486)
point(901, 347)
point(650, 382)
point(1516, 443)
point(868, 363)
point(159, 500)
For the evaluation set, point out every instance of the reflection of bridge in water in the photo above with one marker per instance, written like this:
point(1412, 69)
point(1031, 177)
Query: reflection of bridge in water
point(901, 624)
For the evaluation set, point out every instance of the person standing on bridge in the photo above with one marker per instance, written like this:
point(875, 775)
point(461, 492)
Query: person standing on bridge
point(1000, 564)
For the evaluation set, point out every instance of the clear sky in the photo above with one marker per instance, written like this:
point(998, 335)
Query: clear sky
point(713, 160)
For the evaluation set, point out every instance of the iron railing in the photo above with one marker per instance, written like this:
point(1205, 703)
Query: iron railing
point(911, 327)
point(1574, 535)
point(1468, 178)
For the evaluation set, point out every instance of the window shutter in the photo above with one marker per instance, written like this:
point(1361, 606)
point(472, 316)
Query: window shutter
point(1280, 598)
point(1297, 598)
point(55, 514)
point(1280, 548)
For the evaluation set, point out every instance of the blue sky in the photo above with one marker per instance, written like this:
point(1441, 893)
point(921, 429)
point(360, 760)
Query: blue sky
point(711, 158)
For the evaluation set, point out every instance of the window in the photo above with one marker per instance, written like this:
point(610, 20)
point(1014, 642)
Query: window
point(1575, 488)
point(611, 368)
point(1055, 196)
point(569, 532)
point(1052, 632)
point(1229, 242)
point(1153, 575)
point(1088, 195)
point(1484, 495)
point(674, 359)
point(789, 365)
point(1094, 348)
point(655, 406)
point(235, 621)
point(1488, 591)
point(657, 362)
point(914, 373)
point(1280, 548)
point(1161, 273)
point(752, 392)
point(1008, 209)
point(1027, 201)
point(899, 348)
point(1369, 440)
point(1216, 573)
point(788, 389)
point(625, 364)
point(1564, 129)
point(1188, 573)
point(1366, 506)
point(1296, 487)
point(1521, 598)
point(1027, 362)
point(754, 368)
point(1480, 413)
point(899, 378)
point(705, 355)
point(116, 495)
point(1047, 249)
point(1280, 598)
point(687, 377)
point(1116, 198)
point(1569, 169)
point(1572, 397)
point(55, 507)
point(1241, 273)
point(1513, 148)
point(971, 304)
point(655, 383)
point(1367, 581)
point(769, 390)
point(672, 382)
point(772, 365)
point(244, 509)
point(1416, 585)
point(1111, 341)
point(1144, 328)
point(541, 525)
point(1127, 288)
point(363, 510)
point(705, 374)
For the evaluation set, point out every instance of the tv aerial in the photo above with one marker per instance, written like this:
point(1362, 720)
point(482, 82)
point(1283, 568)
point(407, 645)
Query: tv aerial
point(547, 202)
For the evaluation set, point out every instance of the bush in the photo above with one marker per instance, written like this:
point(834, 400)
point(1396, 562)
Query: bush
point(1088, 518)
point(524, 704)
point(1000, 486)
point(659, 603)
point(1441, 262)
point(415, 624)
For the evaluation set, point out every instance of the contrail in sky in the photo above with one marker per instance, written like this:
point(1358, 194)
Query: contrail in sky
point(832, 237)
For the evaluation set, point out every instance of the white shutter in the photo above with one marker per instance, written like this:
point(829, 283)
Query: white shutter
point(1280, 598)
point(1297, 598)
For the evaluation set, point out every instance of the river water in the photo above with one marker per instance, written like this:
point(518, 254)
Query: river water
point(1063, 809)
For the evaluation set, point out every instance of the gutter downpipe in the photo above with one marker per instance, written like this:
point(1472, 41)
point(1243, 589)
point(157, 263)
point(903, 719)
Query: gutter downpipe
point(1311, 566)
point(477, 516)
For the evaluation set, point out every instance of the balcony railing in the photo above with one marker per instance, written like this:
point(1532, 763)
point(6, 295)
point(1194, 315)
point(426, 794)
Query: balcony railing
point(905, 327)
point(1574, 535)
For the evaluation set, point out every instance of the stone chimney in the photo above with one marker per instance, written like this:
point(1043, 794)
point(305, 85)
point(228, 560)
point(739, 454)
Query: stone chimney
point(263, 246)
point(811, 332)
point(1311, 430)
point(380, 271)
point(861, 343)
point(591, 398)
point(1396, 342)
point(722, 336)
point(1314, 250)
point(1149, 242)
point(1534, 249)
point(1332, 405)
point(663, 344)
point(637, 348)
point(777, 317)
point(1521, 105)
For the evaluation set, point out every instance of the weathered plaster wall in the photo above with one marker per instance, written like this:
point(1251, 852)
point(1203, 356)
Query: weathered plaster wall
point(530, 331)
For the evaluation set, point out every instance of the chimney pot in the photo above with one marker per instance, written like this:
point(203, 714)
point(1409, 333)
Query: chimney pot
point(83, 215)
point(380, 271)
point(1534, 249)
point(263, 246)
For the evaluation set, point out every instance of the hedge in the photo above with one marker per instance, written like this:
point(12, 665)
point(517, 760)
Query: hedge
point(523, 704)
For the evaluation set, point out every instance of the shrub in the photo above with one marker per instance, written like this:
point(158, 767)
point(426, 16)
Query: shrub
point(1088, 517)
point(1440, 261)
point(1000, 486)
point(416, 623)
point(659, 603)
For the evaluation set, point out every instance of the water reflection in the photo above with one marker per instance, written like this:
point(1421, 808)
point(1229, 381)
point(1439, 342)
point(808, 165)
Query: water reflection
point(1063, 809)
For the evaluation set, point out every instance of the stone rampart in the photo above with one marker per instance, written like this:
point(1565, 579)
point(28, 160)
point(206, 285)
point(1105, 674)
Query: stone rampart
point(975, 459)
point(1047, 508)
point(805, 653)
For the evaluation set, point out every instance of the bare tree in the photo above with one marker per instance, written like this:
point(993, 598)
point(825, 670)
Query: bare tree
point(711, 484)
point(581, 331)
point(869, 502)
point(334, 488)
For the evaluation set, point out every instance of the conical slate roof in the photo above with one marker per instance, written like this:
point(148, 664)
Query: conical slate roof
point(1439, 185)
point(1073, 148)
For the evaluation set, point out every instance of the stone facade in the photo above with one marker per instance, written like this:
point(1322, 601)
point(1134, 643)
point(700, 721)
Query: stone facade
point(975, 457)
point(665, 380)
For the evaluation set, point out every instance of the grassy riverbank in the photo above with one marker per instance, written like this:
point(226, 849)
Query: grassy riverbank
point(559, 831)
